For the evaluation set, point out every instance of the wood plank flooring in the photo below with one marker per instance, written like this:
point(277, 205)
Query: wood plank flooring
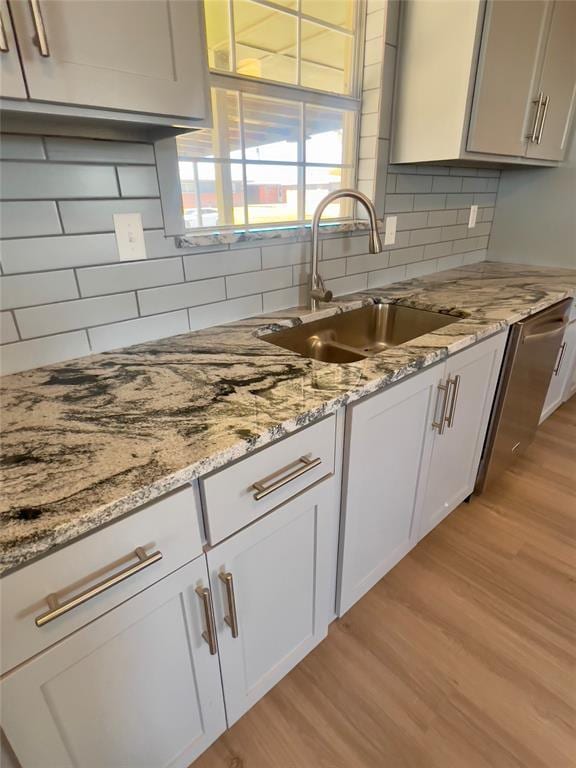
point(463, 656)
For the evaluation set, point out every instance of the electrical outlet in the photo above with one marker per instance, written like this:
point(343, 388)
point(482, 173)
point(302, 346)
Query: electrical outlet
point(390, 231)
point(129, 236)
point(473, 216)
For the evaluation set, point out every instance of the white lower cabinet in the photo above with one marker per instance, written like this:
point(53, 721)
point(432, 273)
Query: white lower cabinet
point(271, 584)
point(563, 381)
point(470, 378)
point(411, 457)
point(137, 688)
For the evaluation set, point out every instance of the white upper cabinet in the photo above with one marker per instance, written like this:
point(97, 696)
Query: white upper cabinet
point(12, 84)
point(130, 55)
point(485, 81)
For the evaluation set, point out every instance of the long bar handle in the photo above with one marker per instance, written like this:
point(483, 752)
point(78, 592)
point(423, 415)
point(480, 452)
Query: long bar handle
point(533, 135)
point(560, 358)
point(441, 425)
point(58, 609)
point(544, 114)
point(232, 618)
point(209, 634)
point(41, 39)
point(4, 47)
point(454, 382)
point(304, 465)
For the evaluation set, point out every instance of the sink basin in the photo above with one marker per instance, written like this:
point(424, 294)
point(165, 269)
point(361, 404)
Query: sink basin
point(361, 333)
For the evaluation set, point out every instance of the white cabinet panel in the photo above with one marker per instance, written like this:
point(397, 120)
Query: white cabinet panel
point(280, 567)
point(473, 375)
point(12, 84)
point(131, 55)
point(138, 687)
point(389, 438)
point(561, 383)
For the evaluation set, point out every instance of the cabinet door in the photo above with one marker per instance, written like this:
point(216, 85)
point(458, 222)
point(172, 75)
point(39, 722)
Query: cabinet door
point(511, 40)
point(471, 376)
point(557, 84)
point(280, 568)
point(561, 381)
point(138, 687)
point(133, 55)
point(12, 84)
point(388, 442)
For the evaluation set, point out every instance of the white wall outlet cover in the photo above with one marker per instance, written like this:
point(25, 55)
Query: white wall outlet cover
point(390, 231)
point(129, 236)
point(473, 216)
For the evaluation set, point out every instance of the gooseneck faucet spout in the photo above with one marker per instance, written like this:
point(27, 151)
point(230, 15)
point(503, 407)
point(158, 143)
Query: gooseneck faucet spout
point(318, 291)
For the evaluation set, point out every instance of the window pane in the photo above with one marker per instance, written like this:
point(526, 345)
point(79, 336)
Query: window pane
point(325, 135)
point(271, 129)
point(221, 141)
point(218, 34)
point(272, 193)
point(319, 182)
point(326, 59)
point(265, 42)
point(189, 198)
point(341, 13)
point(221, 195)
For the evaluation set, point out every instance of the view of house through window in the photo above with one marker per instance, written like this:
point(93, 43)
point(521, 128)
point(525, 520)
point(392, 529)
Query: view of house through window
point(275, 150)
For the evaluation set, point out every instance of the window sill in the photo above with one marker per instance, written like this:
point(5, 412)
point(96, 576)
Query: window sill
point(228, 237)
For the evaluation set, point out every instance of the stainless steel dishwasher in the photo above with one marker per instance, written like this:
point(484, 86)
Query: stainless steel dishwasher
point(530, 359)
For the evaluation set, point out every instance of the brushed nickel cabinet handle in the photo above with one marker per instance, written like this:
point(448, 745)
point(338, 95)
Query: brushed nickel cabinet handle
point(441, 425)
point(232, 618)
point(455, 384)
point(533, 135)
point(58, 609)
point(544, 114)
point(209, 634)
point(560, 358)
point(4, 47)
point(41, 39)
point(303, 464)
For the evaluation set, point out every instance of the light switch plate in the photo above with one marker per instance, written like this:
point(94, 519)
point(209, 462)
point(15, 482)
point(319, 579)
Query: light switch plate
point(129, 236)
point(473, 216)
point(390, 231)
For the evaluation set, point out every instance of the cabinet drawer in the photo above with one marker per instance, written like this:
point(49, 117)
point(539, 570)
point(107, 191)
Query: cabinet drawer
point(235, 496)
point(109, 558)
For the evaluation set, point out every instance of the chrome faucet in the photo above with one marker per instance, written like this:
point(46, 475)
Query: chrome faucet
point(318, 290)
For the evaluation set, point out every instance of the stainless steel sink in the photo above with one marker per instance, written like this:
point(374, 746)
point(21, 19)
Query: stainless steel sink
point(361, 333)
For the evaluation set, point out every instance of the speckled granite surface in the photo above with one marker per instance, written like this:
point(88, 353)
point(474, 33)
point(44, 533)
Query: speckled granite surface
point(88, 440)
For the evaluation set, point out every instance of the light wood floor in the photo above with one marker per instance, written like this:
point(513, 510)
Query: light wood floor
point(461, 657)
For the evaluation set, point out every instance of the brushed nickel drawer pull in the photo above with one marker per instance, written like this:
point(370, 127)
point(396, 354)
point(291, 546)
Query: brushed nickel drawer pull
point(4, 47)
point(441, 425)
point(304, 465)
point(544, 115)
point(58, 609)
point(533, 136)
point(41, 39)
point(232, 618)
point(209, 634)
point(455, 383)
point(560, 358)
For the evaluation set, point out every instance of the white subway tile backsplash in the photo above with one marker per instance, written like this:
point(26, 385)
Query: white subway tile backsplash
point(419, 268)
point(406, 255)
point(154, 301)
point(423, 236)
point(51, 349)
point(328, 269)
point(49, 319)
point(342, 285)
point(199, 266)
point(459, 200)
point(14, 147)
point(37, 288)
point(470, 244)
point(400, 203)
point(38, 181)
point(450, 262)
point(8, 330)
point(285, 255)
point(258, 282)
point(43, 253)
point(224, 311)
point(80, 216)
point(136, 331)
point(474, 256)
point(138, 181)
point(435, 250)
point(430, 202)
point(454, 233)
point(338, 247)
point(442, 218)
point(99, 151)
point(486, 200)
point(386, 276)
point(367, 262)
point(284, 298)
point(412, 220)
point(413, 183)
point(447, 184)
point(117, 278)
point(16, 221)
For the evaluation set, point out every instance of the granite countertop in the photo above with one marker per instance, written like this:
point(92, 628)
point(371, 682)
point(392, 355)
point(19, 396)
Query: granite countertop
point(89, 440)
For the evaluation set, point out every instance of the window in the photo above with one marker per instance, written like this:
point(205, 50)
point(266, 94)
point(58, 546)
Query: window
point(285, 113)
